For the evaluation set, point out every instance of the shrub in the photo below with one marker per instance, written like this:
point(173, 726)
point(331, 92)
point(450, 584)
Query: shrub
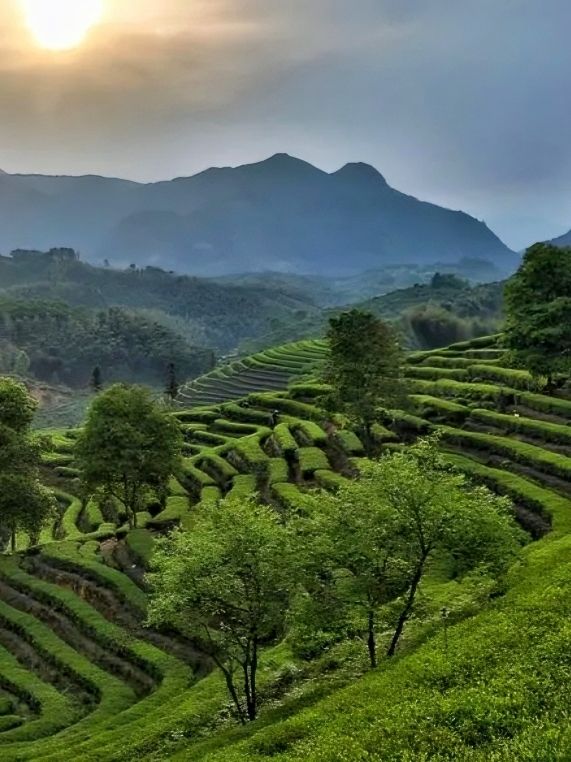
point(516, 379)
point(350, 442)
point(311, 459)
point(284, 439)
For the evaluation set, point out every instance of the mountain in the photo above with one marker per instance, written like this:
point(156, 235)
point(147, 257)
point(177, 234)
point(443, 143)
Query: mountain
point(279, 214)
point(562, 240)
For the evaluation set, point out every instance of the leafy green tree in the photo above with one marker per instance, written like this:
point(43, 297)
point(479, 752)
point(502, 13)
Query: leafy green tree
point(354, 555)
point(227, 583)
point(365, 367)
point(538, 312)
point(438, 511)
point(129, 448)
point(372, 542)
point(24, 504)
point(17, 407)
point(172, 387)
point(21, 364)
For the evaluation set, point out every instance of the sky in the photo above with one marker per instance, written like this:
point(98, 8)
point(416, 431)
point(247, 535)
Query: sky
point(464, 103)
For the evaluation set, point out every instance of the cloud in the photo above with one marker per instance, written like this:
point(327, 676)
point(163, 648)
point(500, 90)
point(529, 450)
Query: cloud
point(461, 103)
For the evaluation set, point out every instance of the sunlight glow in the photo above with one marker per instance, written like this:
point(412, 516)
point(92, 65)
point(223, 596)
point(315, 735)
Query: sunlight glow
point(61, 24)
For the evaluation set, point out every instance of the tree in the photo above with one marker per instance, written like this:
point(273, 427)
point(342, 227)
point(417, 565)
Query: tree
point(129, 448)
point(538, 312)
point(365, 367)
point(227, 583)
point(17, 407)
point(355, 560)
point(96, 380)
point(24, 504)
point(21, 365)
point(172, 382)
point(438, 511)
point(371, 543)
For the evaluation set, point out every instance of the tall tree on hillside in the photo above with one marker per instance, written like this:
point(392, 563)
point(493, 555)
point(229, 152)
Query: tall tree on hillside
point(538, 312)
point(25, 505)
point(227, 583)
point(365, 368)
point(129, 448)
point(172, 386)
point(97, 380)
point(371, 543)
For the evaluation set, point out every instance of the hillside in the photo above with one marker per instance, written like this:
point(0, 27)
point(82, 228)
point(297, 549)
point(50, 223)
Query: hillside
point(428, 315)
point(280, 214)
point(204, 312)
point(84, 680)
point(59, 344)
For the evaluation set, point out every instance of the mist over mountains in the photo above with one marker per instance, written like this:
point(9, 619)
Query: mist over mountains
point(281, 214)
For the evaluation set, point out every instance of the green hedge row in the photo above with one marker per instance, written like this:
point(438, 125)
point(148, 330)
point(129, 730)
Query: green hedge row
point(349, 442)
point(544, 460)
point(534, 427)
point(516, 379)
point(437, 408)
point(311, 459)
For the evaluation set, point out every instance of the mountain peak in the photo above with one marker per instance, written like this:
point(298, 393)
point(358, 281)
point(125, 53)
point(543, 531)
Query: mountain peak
point(283, 163)
point(359, 170)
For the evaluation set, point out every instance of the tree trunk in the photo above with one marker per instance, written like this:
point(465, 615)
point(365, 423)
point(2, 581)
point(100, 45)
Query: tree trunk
point(371, 641)
point(253, 708)
point(405, 613)
point(13, 540)
point(232, 691)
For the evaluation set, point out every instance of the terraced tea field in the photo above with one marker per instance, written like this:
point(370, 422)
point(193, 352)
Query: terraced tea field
point(81, 678)
point(270, 370)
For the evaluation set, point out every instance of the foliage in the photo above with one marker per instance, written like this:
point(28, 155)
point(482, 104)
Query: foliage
point(128, 447)
point(205, 312)
point(538, 311)
point(364, 368)
point(17, 408)
point(372, 541)
point(227, 583)
point(25, 505)
point(64, 344)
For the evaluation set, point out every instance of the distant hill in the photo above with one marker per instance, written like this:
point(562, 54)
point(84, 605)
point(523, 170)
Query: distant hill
point(205, 313)
point(280, 214)
point(428, 315)
point(562, 240)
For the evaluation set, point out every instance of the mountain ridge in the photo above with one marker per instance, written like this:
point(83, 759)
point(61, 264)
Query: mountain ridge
point(281, 212)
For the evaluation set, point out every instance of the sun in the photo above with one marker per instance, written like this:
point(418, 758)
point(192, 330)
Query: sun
point(61, 24)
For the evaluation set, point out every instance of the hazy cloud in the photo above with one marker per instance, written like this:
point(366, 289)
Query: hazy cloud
point(465, 104)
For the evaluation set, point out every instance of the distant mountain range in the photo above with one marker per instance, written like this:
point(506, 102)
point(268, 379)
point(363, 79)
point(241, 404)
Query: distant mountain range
point(281, 214)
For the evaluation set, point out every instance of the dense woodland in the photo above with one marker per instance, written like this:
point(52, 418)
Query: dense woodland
point(63, 345)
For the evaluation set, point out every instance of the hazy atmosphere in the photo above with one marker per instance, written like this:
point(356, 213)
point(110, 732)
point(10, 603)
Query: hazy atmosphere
point(463, 104)
point(285, 380)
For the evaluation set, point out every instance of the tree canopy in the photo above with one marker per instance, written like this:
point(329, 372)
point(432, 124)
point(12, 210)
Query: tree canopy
point(371, 543)
point(25, 505)
point(227, 582)
point(365, 367)
point(129, 447)
point(538, 311)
